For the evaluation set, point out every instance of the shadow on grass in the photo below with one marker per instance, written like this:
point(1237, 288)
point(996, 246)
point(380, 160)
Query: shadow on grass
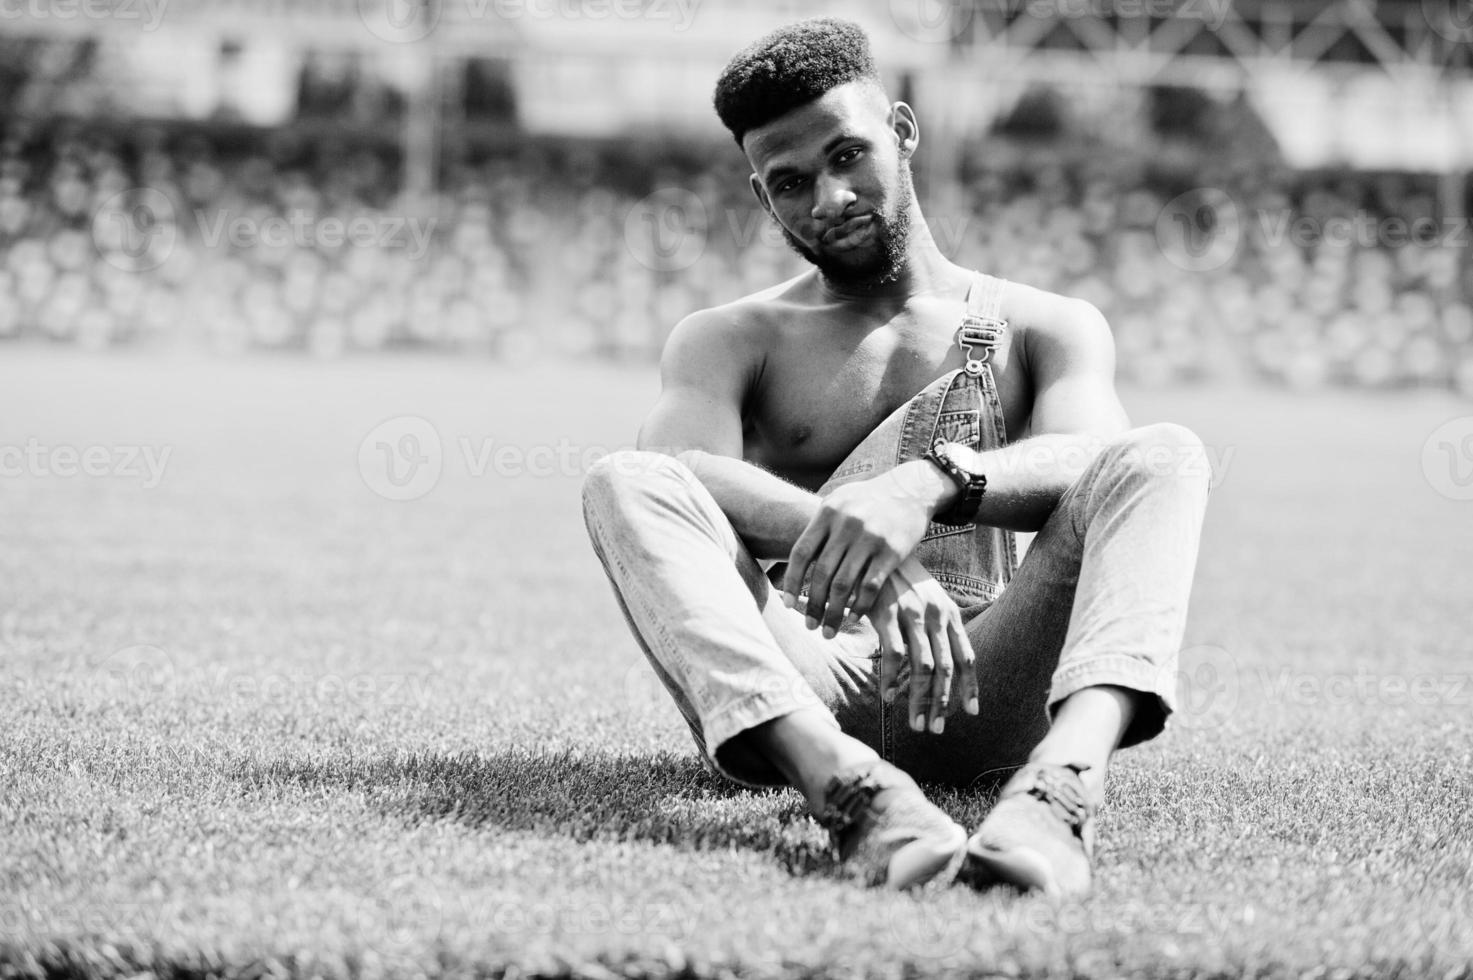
point(587, 796)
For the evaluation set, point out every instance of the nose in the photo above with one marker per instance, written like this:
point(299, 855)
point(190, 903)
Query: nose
point(831, 198)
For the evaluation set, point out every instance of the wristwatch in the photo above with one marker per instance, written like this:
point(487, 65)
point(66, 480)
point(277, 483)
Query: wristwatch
point(972, 485)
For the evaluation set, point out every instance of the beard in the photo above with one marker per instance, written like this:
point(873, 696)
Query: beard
point(891, 239)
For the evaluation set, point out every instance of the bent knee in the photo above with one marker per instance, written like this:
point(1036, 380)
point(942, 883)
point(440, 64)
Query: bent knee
point(1163, 449)
point(629, 475)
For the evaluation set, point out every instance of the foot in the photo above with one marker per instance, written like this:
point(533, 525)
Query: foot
point(881, 822)
point(1039, 836)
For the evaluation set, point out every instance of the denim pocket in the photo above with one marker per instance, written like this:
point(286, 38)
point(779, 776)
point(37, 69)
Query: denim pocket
point(963, 427)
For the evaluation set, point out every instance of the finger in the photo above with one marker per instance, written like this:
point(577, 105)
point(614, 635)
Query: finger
point(922, 667)
point(966, 659)
point(820, 581)
point(868, 590)
point(841, 592)
point(892, 655)
point(945, 671)
point(805, 549)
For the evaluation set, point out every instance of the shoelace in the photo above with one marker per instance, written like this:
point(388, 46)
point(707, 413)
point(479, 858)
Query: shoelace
point(845, 800)
point(1064, 796)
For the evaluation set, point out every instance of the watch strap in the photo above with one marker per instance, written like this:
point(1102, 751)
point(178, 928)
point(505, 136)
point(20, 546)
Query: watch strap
point(972, 486)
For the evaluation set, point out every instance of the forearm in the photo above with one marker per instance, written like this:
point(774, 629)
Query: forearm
point(1024, 483)
point(1026, 479)
point(768, 513)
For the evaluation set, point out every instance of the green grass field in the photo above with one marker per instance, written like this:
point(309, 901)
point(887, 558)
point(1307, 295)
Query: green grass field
point(261, 721)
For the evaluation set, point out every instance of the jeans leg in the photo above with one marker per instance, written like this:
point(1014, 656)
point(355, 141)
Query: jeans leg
point(1140, 520)
point(1100, 598)
point(704, 613)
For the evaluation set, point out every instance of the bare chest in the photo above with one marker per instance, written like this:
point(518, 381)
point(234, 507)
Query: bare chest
point(824, 388)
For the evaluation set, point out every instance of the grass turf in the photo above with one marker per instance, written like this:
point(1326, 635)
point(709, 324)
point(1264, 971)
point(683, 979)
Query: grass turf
point(260, 721)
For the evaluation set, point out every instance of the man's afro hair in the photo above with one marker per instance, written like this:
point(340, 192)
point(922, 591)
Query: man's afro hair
point(788, 68)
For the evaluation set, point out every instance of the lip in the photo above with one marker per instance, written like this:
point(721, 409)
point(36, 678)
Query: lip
point(849, 234)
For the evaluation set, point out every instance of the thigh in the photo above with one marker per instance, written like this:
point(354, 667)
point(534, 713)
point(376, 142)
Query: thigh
point(842, 672)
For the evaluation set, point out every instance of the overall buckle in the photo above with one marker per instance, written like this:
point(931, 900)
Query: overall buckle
point(983, 332)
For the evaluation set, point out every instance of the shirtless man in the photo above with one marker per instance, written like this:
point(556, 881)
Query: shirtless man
point(814, 542)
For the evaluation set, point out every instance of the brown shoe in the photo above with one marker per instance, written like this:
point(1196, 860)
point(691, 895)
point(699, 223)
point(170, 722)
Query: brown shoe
point(1039, 836)
point(881, 822)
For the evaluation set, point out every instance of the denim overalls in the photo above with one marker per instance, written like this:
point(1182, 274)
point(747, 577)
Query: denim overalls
point(975, 562)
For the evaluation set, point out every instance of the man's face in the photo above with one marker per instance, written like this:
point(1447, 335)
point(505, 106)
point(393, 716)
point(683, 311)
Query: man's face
point(833, 175)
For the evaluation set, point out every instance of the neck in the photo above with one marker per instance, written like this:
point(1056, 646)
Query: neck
point(923, 270)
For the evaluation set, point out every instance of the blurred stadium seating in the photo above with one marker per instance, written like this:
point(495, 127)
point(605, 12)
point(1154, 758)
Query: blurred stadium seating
point(545, 246)
point(536, 253)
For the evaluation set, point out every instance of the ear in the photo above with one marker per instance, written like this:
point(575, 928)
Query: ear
point(761, 193)
point(907, 131)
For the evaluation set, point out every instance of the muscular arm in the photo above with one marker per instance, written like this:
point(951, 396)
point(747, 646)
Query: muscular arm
point(705, 372)
point(1071, 359)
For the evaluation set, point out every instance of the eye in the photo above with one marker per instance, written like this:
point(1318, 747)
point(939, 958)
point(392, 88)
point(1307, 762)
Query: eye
point(789, 185)
point(849, 156)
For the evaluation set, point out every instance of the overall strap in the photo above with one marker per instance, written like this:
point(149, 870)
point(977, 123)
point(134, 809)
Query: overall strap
point(984, 298)
point(983, 327)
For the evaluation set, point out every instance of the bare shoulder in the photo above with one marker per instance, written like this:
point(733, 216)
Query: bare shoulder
point(734, 337)
point(1050, 328)
point(1069, 357)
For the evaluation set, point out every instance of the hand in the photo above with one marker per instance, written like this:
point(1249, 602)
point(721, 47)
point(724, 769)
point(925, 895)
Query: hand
point(859, 536)
point(915, 617)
